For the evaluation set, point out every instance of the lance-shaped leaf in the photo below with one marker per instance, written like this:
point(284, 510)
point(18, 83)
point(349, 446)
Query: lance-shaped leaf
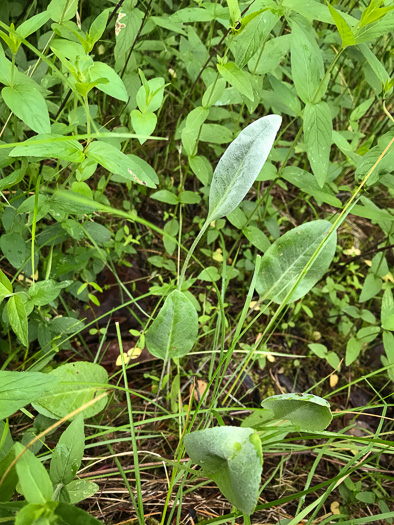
point(67, 456)
point(318, 136)
point(240, 164)
point(284, 261)
point(232, 458)
point(305, 411)
point(174, 331)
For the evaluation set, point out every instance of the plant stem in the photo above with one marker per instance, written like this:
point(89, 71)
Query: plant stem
point(190, 252)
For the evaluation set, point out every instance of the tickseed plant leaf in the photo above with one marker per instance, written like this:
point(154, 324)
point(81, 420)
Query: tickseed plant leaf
point(67, 456)
point(240, 165)
point(33, 477)
point(18, 389)
point(232, 457)
point(283, 262)
point(305, 411)
point(128, 166)
point(76, 387)
point(29, 105)
point(318, 135)
point(174, 331)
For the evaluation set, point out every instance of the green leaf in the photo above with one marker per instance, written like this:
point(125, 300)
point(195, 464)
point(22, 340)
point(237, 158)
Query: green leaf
point(5, 286)
point(29, 105)
point(7, 488)
point(76, 387)
point(240, 164)
point(387, 313)
point(284, 261)
point(213, 93)
point(216, 134)
point(62, 10)
point(33, 478)
point(99, 233)
point(353, 349)
point(165, 196)
point(318, 136)
point(14, 248)
point(235, 12)
point(33, 24)
point(191, 132)
point(236, 78)
point(232, 458)
point(18, 318)
point(18, 389)
point(189, 197)
point(67, 456)
point(371, 287)
point(98, 27)
point(151, 100)
point(128, 166)
point(307, 183)
point(143, 123)
point(343, 27)
point(174, 331)
point(272, 55)
point(36, 514)
point(68, 514)
point(257, 238)
point(70, 150)
point(81, 489)
point(172, 228)
point(44, 292)
point(307, 66)
point(305, 411)
point(210, 274)
point(115, 87)
point(253, 36)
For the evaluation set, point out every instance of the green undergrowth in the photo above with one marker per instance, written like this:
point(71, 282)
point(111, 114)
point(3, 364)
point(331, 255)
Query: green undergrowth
point(196, 262)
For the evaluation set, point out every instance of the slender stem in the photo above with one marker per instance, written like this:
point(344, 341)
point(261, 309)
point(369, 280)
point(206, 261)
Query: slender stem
point(190, 252)
point(140, 507)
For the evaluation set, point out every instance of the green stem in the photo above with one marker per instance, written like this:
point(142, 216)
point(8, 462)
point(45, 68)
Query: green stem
point(190, 252)
point(12, 70)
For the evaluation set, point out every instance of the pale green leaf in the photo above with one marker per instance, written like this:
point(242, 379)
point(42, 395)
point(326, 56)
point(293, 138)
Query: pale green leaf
point(81, 489)
point(232, 457)
point(305, 411)
point(240, 165)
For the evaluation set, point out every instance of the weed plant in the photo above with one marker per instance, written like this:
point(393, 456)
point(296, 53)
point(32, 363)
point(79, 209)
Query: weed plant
point(196, 247)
